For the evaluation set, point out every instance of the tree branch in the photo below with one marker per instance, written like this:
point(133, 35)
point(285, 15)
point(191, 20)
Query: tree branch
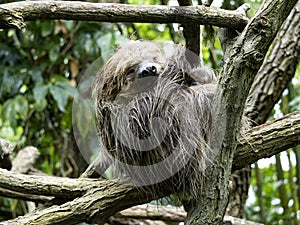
point(14, 14)
point(24, 196)
point(191, 33)
point(25, 159)
point(46, 185)
point(267, 140)
point(95, 205)
point(278, 69)
point(168, 213)
point(154, 212)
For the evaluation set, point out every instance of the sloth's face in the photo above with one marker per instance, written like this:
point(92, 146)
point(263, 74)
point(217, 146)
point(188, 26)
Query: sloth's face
point(140, 78)
point(146, 68)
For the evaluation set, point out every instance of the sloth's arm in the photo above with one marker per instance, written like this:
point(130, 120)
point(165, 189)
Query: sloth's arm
point(207, 89)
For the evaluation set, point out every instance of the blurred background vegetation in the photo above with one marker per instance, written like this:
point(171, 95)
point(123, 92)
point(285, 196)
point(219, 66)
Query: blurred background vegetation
point(41, 66)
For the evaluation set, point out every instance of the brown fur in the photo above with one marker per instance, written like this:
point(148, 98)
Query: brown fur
point(164, 118)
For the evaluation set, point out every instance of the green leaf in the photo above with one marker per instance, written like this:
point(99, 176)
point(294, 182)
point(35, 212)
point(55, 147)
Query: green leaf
point(72, 91)
point(60, 95)
point(6, 132)
point(21, 106)
point(40, 92)
point(107, 45)
point(14, 109)
point(40, 106)
point(37, 75)
point(61, 91)
point(6, 82)
point(8, 113)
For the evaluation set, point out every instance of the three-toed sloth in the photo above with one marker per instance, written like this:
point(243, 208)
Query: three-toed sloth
point(154, 117)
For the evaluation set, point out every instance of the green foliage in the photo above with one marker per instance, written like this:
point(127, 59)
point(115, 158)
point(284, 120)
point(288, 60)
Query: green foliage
point(273, 210)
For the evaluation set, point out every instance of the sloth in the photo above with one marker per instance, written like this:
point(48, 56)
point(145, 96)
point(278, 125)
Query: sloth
point(154, 117)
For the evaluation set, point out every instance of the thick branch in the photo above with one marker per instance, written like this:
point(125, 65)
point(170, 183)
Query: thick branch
point(267, 140)
point(278, 70)
point(273, 77)
point(14, 14)
point(168, 213)
point(154, 212)
point(45, 185)
point(23, 196)
point(25, 159)
point(99, 200)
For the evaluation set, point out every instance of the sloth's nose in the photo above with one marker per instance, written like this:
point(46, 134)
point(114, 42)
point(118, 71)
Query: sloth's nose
point(149, 71)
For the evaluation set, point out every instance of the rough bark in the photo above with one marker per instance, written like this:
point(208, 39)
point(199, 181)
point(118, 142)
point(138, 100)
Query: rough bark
point(239, 70)
point(25, 159)
point(154, 212)
point(14, 14)
point(95, 206)
point(191, 32)
point(278, 69)
point(286, 131)
point(240, 183)
point(168, 213)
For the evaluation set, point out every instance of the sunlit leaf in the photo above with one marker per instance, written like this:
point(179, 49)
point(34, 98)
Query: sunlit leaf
point(40, 106)
point(6, 132)
point(13, 109)
point(8, 113)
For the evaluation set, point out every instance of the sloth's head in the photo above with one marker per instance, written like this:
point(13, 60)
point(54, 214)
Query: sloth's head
point(131, 62)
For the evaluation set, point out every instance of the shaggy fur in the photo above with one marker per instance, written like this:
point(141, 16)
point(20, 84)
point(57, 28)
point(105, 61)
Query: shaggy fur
point(155, 124)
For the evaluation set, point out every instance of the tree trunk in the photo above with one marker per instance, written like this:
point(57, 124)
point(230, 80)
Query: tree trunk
point(239, 70)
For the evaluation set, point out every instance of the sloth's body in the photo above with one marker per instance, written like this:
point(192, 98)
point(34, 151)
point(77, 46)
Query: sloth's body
point(153, 117)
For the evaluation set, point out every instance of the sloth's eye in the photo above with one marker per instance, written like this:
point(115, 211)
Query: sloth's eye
point(131, 71)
